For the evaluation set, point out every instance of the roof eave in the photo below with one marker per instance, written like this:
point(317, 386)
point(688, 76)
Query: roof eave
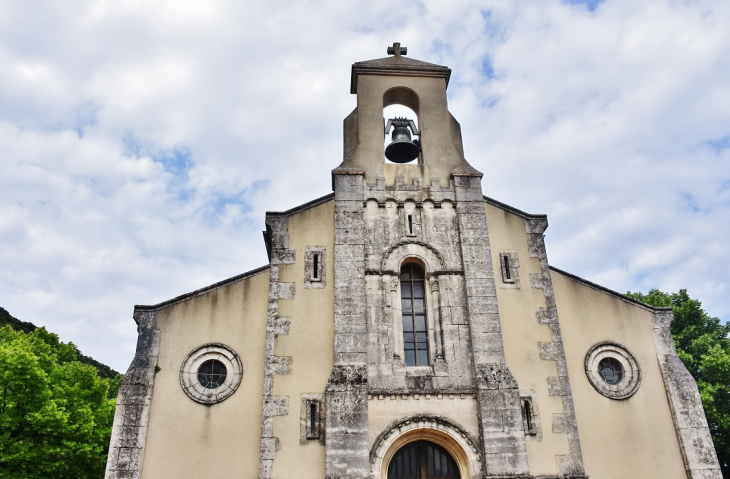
point(421, 71)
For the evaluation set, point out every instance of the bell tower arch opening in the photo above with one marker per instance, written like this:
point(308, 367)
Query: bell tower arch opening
point(402, 143)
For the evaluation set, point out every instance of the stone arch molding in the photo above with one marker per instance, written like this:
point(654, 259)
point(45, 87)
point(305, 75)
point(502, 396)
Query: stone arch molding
point(447, 434)
point(432, 259)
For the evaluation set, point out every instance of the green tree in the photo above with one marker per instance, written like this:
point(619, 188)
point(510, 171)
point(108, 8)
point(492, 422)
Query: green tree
point(703, 345)
point(55, 412)
point(18, 325)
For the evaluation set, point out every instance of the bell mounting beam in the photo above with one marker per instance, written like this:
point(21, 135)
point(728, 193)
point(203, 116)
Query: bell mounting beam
point(401, 122)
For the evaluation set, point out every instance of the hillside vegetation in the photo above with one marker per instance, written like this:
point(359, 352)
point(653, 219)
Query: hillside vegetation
point(56, 405)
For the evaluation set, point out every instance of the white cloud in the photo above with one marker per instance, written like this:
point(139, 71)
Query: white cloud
point(143, 142)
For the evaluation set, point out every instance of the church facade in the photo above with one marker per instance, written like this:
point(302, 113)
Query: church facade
point(407, 326)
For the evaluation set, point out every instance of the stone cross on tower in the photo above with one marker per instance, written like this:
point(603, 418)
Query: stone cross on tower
point(397, 50)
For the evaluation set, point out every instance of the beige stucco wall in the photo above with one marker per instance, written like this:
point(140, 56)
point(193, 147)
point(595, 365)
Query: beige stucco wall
point(309, 343)
point(186, 439)
point(634, 437)
point(522, 335)
point(384, 410)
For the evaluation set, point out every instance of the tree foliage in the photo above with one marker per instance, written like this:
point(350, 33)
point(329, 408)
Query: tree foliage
point(55, 412)
point(18, 325)
point(703, 345)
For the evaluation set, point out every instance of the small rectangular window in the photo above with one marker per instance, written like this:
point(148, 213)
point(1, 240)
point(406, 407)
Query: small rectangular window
point(410, 223)
point(313, 419)
point(315, 258)
point(529, 416)
point(509, 267)
point(507, 274)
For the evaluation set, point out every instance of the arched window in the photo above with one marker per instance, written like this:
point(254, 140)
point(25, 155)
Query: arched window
point(422, 460)
point(413, 305)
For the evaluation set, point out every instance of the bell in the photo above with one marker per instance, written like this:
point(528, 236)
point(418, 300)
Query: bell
point(402, 149)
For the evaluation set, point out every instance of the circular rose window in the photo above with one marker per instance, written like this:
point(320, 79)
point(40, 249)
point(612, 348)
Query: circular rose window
point(211, 373)
point(612, 370)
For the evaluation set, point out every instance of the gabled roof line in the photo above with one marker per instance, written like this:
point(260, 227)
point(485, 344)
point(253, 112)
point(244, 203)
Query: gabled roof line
point(611, 292)
point(512, 209)
point(198, 292)
point(302, 207)
point(397, 66)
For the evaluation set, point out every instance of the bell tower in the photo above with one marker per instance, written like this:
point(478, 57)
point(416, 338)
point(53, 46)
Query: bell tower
point(420, 86)
point(415, 305)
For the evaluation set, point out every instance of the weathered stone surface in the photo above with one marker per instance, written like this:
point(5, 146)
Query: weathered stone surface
point(564, 423)
point(698, 451)
point(496, 376)
point(346, 424)
point(273, 406)
point(129, 433)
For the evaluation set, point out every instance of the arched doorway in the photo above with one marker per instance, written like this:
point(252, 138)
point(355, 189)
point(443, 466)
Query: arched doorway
point(422, 460)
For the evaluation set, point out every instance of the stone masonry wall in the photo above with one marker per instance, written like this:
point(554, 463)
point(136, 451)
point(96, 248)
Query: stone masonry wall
point(444, 227)
point(431, 235)
point(503, 437)
point(346, 436)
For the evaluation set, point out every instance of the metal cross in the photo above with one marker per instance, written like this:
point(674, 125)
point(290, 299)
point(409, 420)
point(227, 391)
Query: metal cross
point(397, 50)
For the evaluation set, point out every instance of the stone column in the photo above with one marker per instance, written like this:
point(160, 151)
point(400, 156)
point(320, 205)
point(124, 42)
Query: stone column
point(397, 318)
point(436, 300)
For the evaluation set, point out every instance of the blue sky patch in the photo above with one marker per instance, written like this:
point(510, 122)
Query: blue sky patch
point(85, 116)
point(220, 201)
point(720, 144)
point(486, 68)
point(689, 201)
point(176, 161)
point(591, 5)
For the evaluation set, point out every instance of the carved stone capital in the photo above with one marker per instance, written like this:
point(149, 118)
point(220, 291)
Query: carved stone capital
point(347, 377)
point(496, 376)
point(394, 283)
point(434, 281)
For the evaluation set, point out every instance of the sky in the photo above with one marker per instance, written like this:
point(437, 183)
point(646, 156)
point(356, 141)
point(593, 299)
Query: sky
point(141, 143)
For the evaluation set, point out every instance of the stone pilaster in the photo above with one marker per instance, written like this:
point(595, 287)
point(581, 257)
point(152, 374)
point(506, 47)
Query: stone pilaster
point(566, 423)
point(129, 433)
point(276, 325)
point(346, 437)
point(504, 447)
point(698, 452)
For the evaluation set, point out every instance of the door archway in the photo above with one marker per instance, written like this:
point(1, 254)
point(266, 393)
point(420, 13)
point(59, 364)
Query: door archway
point(422, 460)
